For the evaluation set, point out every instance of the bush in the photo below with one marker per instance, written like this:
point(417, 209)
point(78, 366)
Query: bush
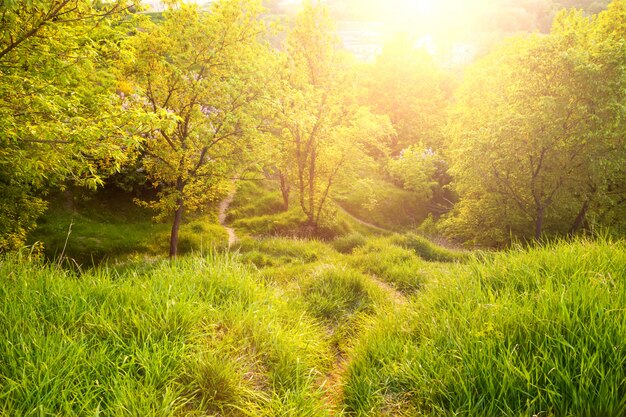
point(346, 244)
point(426, 249)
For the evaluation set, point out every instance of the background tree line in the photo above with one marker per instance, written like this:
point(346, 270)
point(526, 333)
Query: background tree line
point(528, 141)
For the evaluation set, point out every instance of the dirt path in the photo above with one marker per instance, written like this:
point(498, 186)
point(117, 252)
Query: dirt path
point(363, 222)
point(221, 217)
point(333, 383)
point(398, 298)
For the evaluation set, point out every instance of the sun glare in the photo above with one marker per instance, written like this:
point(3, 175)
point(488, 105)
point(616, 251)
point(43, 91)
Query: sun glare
point(442, 27)
point(420, 7)
point(439, 26)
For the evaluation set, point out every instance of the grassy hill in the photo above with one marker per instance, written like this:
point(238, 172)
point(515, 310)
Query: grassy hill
point(295, 327)
point(362, 324)
point(90, 228)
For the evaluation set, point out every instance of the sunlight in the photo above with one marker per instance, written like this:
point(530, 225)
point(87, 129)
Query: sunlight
point(419, 7)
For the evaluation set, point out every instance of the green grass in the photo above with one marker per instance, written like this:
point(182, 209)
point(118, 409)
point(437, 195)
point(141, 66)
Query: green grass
point(281, 325)
point(534, 332)
point(426, 249)
point(92, 227)
point(255, 198)
point(348, 243)
point(281, 251)
point(189, 338)
point(390, 263)
point(257, 210)
point(342, 299)
point(382, 203)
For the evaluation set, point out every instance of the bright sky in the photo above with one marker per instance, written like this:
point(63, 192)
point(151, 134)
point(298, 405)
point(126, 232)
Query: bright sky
point(440, 26)
point(443, 26)
point(438, 21)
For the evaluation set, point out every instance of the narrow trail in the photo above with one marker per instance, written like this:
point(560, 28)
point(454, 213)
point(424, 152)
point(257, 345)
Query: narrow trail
point(398, 298)
point(221, 217)
point(363, 222)
point(333, 383)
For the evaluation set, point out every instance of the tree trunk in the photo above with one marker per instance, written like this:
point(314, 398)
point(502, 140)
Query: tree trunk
point(539, 223)
point(311, 208)
point(580, 218)
point(284, 189)
point(178, 216)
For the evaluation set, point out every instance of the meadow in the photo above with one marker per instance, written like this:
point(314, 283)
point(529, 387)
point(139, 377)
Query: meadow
point(363, 324)
point(247, 208)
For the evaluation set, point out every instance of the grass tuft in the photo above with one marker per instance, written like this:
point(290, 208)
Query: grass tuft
point(195, 336)
point(538, 331)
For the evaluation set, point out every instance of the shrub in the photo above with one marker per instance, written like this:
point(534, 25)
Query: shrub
point(426, 249)
point(346, 244)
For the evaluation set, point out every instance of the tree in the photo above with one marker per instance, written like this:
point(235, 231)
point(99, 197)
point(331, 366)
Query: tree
point(322, 128)
point(415, 169)
point(537, 132)
point(201, 76)
point(405, 84)
point(60, 119)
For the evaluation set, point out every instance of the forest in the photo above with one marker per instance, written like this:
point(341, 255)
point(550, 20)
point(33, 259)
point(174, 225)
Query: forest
point(219, 209)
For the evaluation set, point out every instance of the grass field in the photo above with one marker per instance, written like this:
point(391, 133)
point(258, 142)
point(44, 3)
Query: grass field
point(89, 228)
point(364, 324)
point(295, 327)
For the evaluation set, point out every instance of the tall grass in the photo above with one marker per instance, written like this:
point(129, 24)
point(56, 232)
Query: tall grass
point(393, 264)
point(426, 249)
point(196, 337)
point(92, 228)
point(382, 203)
point(540, 331)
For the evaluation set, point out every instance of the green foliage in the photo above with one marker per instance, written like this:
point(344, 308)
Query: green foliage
point(406, 85)
point(528, 332)
point(201, 77)
point(93, 227)
point(19, 212)
point(380, 202)
point(257, 210)
point(538, 143)
point(60, 119)
point(415, 169)
point(320, 131)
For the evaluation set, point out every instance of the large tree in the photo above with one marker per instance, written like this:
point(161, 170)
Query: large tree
point(405, 84)
point(323, 130)
point(538, 133)
point(60, 119)
point(200, 74)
